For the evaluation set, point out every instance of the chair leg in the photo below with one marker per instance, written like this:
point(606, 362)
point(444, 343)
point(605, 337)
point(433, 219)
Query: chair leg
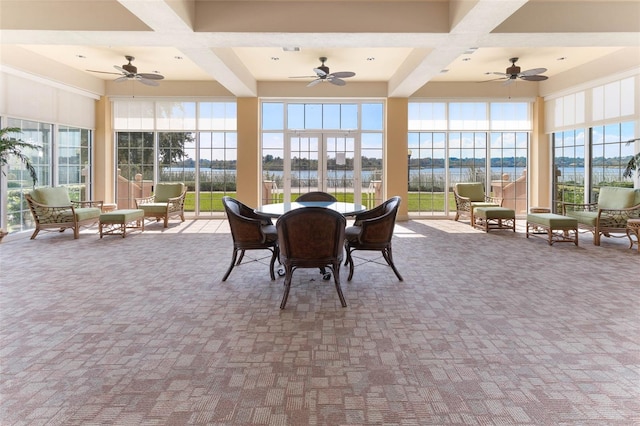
point(350, 262)
point(233, 263)
point(35, 232)
point(287, 287)
point(388, 256)
point(273, 262)
point(241, 257)
point(336, 280)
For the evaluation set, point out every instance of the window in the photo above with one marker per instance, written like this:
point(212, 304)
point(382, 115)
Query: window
point(190, 142)
point(477, 142)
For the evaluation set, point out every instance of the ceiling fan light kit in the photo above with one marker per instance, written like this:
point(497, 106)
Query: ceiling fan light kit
point(323, 74)
point(130, 72)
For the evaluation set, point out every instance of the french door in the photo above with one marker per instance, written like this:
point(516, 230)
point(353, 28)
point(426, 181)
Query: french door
point(328, 162)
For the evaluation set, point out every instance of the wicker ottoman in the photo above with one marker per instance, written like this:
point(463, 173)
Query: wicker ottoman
point(487, 218)
point(118, 221)
point(558, 228)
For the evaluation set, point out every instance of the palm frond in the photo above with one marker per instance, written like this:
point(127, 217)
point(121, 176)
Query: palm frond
point(11, 146)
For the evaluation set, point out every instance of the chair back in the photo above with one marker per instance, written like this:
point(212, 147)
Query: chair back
point(474, 191)
point(311, 237)
point(316, 196)
point(244, 229)
point(52, 196)
point(611, 197)
point(379, 230)
point(165, 190)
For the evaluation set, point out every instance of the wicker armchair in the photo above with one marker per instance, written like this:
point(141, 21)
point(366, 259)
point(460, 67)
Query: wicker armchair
point(311, 237)
point(469, 195)
point(51, 208)
point(609, 215)
point(167, 201)
point(373, 230)
point(250, 231)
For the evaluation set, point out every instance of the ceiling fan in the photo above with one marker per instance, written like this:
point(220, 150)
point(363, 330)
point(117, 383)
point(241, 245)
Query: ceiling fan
point(130, 72)
point(513, 73)
point(323, 74)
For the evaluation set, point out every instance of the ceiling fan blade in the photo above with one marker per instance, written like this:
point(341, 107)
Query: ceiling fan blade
point(151, 76)
point(501, 73)
point(533, 71)
point(148, 82)
point(493, 79)
point(509, 81)
point(121, 79)
point(105, 72)
point(320, 72)
point(343, 74)
point(337, 81)
point(314, 82)
point(534, 77)
point(122, 70)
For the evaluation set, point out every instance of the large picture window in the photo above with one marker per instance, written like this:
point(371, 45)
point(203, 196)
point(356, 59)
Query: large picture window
point(467, 142)
point(190, 142)
point(322, 146)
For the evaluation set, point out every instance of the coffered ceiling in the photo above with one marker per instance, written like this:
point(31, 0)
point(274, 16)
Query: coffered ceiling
point(241, 44)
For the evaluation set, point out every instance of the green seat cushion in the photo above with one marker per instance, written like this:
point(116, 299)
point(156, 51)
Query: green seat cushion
point(122, 216)
point(616, 198)
point(164, 191)
point(584, 217)
point(154, 208)
point(54, 196)
point(474, 191)
point(553, 221)
point(85, 213)
point(494, 213)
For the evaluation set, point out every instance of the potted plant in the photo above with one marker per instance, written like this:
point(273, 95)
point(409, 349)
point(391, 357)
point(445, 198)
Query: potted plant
point(634, 162)
point(13, 147)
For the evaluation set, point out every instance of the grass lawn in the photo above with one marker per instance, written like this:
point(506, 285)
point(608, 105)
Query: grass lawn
point(426, 202)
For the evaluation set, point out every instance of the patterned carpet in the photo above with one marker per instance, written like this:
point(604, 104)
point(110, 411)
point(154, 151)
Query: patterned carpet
point(486, 329)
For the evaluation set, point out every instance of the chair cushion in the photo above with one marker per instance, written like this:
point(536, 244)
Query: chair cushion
point(160, 208)
point(164, 191)
point(586, 218)
point(56, 196)
point(352, 233)
point(86, 213)
point(616, 198)
point(270, 232)
point(637, 200)
point(472, 190)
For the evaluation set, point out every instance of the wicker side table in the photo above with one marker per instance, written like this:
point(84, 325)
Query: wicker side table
point(633, 227)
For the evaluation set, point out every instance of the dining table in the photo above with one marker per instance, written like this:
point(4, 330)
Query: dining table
point(278, 209)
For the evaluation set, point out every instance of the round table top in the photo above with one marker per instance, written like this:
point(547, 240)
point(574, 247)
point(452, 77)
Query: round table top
point(278, 209)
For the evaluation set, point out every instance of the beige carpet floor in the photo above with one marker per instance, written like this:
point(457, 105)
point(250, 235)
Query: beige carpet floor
point(486, 329)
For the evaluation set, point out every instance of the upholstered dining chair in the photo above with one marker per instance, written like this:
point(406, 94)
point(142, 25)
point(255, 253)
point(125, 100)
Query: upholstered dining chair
point(311, 237)
point(250, 231)
point(316, 196)
point(373, 230)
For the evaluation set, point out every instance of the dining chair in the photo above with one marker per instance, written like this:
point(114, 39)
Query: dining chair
point(316, 196)
point(311, 237)
point(373, 230)
point(250, 231)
